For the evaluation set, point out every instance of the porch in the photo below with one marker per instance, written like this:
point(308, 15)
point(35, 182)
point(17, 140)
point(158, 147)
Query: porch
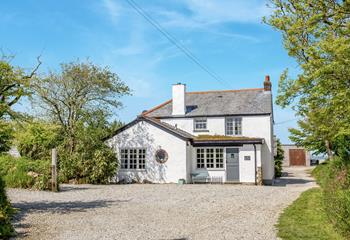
point(226, 159)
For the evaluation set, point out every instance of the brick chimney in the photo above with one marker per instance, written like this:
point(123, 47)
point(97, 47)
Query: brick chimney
point(267, 83)
point(179, 93)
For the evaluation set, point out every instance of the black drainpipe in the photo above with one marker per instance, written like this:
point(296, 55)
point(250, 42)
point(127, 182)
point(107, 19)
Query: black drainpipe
point(255, 162)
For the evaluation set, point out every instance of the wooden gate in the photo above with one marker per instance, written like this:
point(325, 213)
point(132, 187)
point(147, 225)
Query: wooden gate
point(297, 157)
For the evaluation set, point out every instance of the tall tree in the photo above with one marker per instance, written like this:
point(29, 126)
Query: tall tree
point(80, 89)
point(316, 33)
point(14, 84)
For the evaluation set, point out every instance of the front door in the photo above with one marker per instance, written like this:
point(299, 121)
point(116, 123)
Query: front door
point(232, 164)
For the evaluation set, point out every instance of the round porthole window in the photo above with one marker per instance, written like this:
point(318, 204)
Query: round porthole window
point(161, 156)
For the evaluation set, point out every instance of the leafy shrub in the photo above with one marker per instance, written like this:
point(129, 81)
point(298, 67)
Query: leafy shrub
point(92, 161)
point(6, 229)
point(279, 159)
point(88, 165)
point(25, 173)
point(6, 132)
point(35, 139)
point(334, 178)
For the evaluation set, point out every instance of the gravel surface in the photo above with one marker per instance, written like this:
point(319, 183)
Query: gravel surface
point(159, 211)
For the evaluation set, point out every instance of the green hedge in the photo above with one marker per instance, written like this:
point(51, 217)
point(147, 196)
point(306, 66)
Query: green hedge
point(334, 179)
point(25, 173)
point(6, 229)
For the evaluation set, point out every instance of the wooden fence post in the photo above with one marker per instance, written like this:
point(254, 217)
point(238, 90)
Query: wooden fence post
point(54, 184)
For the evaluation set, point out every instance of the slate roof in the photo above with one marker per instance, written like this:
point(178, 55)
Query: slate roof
point(253, 101)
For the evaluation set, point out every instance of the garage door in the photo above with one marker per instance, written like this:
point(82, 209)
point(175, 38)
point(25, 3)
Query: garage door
point(297, 157)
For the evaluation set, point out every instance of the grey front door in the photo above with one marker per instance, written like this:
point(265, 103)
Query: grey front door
point(232, 164)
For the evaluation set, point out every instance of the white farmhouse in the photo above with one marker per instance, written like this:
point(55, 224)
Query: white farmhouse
point(223, 135)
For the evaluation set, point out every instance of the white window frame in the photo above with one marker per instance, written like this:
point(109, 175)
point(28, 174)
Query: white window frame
point(206, 151)
point(140, 159)
point(236, 129)
point(204, 122)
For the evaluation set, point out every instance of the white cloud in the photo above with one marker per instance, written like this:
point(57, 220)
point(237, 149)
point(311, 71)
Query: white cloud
point(201, 13)
point(114, 10)
point(220, 11)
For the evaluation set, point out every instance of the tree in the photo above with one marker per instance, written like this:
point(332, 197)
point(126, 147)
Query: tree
point(13, 85)
point(279, 159)
point(6, 135)
point(92, 160)
point(35, 139)
point(316, 33)
point(79, 90)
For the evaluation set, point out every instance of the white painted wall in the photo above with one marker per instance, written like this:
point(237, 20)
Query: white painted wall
point(252, 126)
point(246, 167)
point(145, 135)
point(179, 92)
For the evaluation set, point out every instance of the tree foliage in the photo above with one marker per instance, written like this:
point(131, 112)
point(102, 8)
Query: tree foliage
point(6, 135)
point(78, 91)
point(14, 84)
point(279, 159)
point(316, 34)
point(35, 139)
point(92, 160)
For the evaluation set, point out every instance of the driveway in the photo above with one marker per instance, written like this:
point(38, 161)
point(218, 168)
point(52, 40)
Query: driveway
point(162, 211)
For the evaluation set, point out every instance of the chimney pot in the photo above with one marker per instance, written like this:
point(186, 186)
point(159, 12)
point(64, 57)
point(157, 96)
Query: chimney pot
point(267, 83)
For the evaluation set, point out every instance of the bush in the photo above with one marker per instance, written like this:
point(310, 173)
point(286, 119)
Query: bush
point(35, 139)
point(25, 173)
point(279, 159)
point(334, 178)
point(6, 132)
point(88, 165)
point(6, 229)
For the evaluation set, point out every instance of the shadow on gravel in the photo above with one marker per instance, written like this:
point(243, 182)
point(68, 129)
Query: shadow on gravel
point(280, 182)
point(67, 188)
point(25, 208)
point(62, 207)
point(290, 179)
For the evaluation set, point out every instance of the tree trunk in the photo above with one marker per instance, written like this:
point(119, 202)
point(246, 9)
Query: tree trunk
point(329, 150)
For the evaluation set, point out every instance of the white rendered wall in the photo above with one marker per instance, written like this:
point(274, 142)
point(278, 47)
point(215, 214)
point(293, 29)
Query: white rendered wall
point(179, 92)
point(145, 135)
point(252, 126)
point(246, 167)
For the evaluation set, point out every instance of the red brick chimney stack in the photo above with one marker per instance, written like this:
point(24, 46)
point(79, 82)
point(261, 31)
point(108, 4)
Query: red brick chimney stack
point(267, 83)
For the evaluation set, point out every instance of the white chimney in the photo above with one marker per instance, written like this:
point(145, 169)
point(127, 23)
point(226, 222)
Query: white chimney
point(179, 105)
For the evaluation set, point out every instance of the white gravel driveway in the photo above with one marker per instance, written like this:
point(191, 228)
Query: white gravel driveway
point(157, 211)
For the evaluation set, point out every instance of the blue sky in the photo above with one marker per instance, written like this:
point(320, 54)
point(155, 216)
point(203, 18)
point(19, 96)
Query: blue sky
point(227, 36)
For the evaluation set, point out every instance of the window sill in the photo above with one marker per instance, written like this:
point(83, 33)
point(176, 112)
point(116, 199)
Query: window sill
point(198, 130)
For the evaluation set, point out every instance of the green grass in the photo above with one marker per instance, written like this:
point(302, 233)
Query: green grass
point(16, 172)
point(306, 219)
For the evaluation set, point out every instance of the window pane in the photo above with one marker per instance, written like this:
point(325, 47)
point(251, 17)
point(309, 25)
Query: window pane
point(238, 126)
point(200, 158)
point(124, 158)
point(219, 158)
point(210, 158)
point(233, 126)
point(133, 158)
point(200, 124)
point(142, 158)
